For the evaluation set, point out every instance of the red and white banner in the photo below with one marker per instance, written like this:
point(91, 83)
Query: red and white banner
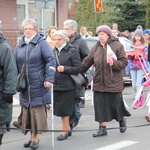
point(98, 6)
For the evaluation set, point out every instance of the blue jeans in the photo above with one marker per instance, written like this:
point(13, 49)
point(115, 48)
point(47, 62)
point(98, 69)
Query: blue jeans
point(76, 114)
point(136, 76)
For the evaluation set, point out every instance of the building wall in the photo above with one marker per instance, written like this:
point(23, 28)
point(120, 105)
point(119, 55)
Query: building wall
point(62, 12)
point(9, 20)
point(8, 16)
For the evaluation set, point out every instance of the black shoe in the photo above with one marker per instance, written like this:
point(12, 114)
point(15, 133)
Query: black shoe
point(75, 123)
point(70, 133)
point(123, 126)
point(101, 132)
point(17, 124)
point(62, 137)
point(82, 103)
point(34, 145)
point(8, 127)
point(27, 144)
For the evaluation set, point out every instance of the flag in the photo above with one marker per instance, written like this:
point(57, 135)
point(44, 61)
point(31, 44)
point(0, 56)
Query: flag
point(110, 53)
point(98, 6)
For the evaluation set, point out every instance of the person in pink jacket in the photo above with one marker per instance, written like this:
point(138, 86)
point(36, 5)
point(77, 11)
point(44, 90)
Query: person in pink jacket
point(138, 55)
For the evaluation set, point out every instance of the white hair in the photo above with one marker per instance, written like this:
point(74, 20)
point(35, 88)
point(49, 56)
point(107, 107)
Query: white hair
point(72, 24)
point(62, 33)
point(30, 21)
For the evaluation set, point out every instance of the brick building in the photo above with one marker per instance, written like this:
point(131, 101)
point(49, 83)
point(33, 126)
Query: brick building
point(12, 12)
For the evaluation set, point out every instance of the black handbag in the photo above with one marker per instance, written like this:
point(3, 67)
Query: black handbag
point(78, 79)
point(21, 81)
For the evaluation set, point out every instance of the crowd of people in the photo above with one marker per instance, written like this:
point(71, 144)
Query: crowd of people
point(50, 61)
point(138, 61)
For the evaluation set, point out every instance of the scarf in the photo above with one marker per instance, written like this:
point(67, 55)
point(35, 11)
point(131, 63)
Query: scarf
point(138, 45)
point(28, 40)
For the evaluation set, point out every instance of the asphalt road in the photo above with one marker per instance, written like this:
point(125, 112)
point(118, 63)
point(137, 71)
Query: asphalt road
point(135, 138)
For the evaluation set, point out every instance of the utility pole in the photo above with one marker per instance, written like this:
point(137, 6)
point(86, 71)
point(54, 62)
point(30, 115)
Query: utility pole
point(44, 4)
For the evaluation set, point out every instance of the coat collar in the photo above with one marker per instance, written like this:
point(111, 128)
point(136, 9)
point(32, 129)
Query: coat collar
point(38, 37)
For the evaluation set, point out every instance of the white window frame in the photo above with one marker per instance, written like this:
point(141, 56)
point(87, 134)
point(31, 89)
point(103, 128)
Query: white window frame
point(24, 2)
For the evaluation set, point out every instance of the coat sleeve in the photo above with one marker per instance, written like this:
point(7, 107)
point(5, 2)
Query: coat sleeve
point(50, 63)
point(83, 49)
point(121, 61)
point(75, 62)
point(10, 72)
point(88, 61)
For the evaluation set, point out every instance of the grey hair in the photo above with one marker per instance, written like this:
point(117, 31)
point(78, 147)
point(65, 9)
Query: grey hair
point(62, 33)
point(30, 21)
point(72, 24)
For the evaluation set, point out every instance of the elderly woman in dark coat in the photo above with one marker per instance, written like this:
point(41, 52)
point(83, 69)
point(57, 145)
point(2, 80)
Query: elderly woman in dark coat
point(109, 58)
point(68, 62)
point(8, 82)
point(35, 53)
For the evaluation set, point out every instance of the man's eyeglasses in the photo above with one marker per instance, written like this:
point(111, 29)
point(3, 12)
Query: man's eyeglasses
point(57, 39)
point(29, 29)
point(67, 29)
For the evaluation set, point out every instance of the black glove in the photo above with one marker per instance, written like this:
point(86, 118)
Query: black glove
point(8, 98)
point(8, 127)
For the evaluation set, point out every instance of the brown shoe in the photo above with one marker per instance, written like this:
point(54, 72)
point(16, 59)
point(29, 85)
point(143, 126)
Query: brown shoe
point(147, 117)
point(48, 107)
point(17, 124)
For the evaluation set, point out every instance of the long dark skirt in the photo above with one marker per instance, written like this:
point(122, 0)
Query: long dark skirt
point(109, 106)
point(64, 102)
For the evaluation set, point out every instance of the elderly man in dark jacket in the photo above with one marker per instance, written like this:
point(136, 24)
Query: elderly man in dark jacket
point(8, 82)
point(70, 26)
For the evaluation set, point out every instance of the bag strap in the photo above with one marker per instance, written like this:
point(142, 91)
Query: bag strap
point(23, 66)
point(57, 59)
point(22, 70)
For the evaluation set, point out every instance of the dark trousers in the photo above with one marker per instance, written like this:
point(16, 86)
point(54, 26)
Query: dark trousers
point(20, 116)
point(80, 92)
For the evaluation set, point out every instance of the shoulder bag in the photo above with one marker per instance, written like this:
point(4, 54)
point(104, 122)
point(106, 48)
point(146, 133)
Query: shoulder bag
point(21, 81)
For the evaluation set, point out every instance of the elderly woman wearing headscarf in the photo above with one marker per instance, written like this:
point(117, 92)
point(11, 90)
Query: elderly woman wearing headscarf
point(109, 58)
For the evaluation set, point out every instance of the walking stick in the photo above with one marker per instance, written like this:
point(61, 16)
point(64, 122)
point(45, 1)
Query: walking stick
point(52, 107)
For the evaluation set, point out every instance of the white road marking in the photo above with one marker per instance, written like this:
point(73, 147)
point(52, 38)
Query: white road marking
point(118, 145)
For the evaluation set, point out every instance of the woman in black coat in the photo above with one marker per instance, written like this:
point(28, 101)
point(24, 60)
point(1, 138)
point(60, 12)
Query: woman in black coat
point(68, 62)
